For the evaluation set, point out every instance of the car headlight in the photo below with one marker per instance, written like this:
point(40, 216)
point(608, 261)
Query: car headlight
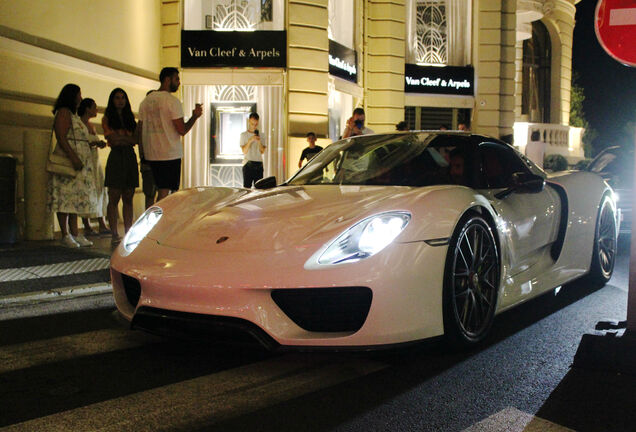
point(366, 238)
point(141, 228)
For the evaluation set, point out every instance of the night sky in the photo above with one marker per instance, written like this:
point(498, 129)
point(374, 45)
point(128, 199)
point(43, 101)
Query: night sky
point(609, 87)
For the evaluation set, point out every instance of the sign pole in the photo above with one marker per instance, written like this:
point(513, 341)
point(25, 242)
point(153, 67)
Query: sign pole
point(631, 292)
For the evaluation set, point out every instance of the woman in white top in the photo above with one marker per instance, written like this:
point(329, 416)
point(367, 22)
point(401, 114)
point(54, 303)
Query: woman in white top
point(87, 110)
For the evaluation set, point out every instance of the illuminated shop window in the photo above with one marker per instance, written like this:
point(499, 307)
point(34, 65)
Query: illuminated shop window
point(231, 107)
point(432, 44)
point(341, 22)
point(438, 32)
point(230, 15)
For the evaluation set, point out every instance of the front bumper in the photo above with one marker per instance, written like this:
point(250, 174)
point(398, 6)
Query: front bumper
point(404, 284)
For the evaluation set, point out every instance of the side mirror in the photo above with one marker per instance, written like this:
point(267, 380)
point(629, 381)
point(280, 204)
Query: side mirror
point(266, 183)
point(523, 182)
point(528, 182)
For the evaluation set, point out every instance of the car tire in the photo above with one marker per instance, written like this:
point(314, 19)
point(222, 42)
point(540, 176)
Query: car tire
point(605, 244)
point(471, 282)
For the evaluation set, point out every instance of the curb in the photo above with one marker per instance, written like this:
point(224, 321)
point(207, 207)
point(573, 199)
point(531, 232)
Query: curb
point(56, 294)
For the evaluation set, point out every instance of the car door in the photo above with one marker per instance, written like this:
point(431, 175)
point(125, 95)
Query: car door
point(531, 219)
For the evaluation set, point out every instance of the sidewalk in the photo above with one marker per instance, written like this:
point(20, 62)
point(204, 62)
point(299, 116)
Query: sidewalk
point(33, 271)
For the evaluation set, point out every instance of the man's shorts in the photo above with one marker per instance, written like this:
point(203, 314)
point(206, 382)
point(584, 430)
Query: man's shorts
point(147, 180)
point(167, 173)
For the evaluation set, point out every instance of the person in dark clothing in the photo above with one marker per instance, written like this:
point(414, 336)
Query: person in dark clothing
point(310, 151)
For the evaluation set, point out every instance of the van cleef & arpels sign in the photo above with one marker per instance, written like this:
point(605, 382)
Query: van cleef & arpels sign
point(444, 80)
point(343, 62)
point(207, 48)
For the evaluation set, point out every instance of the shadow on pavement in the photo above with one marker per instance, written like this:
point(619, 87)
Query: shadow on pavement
point(593, 401)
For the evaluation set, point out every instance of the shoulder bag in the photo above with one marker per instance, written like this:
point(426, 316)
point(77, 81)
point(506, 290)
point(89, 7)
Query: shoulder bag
point(58, 161)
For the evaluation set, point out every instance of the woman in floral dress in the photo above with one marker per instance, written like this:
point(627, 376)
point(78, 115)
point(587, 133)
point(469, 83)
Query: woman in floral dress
point(70, 196)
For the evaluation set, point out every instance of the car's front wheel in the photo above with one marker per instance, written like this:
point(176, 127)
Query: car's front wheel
point(471, 282)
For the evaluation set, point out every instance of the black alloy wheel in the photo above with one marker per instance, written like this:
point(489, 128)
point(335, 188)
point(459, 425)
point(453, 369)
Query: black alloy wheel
point(605, 244)
point(471, 282)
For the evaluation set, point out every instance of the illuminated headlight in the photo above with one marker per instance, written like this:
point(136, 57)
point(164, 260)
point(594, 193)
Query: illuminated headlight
point(141, 228)
point(366, 238)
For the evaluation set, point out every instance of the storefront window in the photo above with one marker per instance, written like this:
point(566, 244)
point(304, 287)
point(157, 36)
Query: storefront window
point(341, 23)
point(432, 42)
point(438, 32)
point(535, 99)
point(340, 109)
point(229, 15)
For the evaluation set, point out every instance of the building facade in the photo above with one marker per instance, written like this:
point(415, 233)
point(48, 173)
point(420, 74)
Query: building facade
point(500, 67)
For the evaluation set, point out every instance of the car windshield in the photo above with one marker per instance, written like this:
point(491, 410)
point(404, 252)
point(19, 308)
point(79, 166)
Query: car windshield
point(415, 159)
point(616, 167)
point(605, 162)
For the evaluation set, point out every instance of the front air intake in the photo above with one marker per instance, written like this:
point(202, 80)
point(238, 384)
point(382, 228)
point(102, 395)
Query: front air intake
point(132, 288)
point(342, 309)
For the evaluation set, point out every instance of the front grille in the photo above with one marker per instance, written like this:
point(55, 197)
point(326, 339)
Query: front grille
point(132, 288)
point(342, 309)
point(198, 327)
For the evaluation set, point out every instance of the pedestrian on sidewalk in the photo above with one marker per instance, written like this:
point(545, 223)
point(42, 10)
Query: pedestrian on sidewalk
point(87, 110)
point(122, 173)
point(161, 127)
point(70, 196)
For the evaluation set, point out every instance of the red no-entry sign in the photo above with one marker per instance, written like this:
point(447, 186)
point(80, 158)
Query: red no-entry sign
point(615, 25)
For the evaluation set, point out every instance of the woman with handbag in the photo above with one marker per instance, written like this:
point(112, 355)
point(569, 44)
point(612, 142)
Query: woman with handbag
point(71, 194)
point(87, 110)
point(122, 174)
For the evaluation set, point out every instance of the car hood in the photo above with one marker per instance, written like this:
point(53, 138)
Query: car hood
point(278, 219)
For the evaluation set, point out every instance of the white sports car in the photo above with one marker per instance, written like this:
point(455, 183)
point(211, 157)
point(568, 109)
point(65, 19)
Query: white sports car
point(379, 240)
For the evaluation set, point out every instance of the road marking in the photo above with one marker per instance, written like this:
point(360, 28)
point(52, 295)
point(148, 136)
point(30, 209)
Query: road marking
point(50, 270)
point(30, 354)
point(202, 401)
point(621, 17)
point(514, 420)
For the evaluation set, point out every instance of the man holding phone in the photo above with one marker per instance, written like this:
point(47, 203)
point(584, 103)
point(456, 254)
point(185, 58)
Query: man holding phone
point(161, 127)
point(355, 125)
point(253, 146)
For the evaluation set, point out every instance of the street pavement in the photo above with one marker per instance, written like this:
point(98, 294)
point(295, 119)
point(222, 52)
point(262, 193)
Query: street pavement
point(524, 378)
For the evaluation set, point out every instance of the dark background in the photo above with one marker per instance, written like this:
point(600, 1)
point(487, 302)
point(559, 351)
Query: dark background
point(609, 87)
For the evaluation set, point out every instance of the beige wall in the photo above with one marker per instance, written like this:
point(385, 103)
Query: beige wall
point(98, 44)
point(121, 30)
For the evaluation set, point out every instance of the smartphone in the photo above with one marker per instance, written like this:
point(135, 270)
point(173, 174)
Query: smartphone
point(256, 132)
point(358, 124)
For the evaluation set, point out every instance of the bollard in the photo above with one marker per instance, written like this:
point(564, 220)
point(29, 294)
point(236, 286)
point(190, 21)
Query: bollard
point(39, 222)
point(8, 185)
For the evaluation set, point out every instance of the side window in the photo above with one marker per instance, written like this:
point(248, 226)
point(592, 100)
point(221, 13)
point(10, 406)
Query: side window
point(498, 163)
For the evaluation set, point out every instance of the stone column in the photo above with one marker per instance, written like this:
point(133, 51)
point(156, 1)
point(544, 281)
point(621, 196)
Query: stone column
point(561, 14)
point(307, 73)
point(170, 33)
point(495, 67)
point(384, 63)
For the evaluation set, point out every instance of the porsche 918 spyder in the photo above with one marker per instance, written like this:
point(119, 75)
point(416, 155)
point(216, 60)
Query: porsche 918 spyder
point(379, 240)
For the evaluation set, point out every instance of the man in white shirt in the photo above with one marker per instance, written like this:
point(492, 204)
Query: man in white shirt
point(162, 126)
point(355, 125)
point(253, 146)
point(535, 149)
